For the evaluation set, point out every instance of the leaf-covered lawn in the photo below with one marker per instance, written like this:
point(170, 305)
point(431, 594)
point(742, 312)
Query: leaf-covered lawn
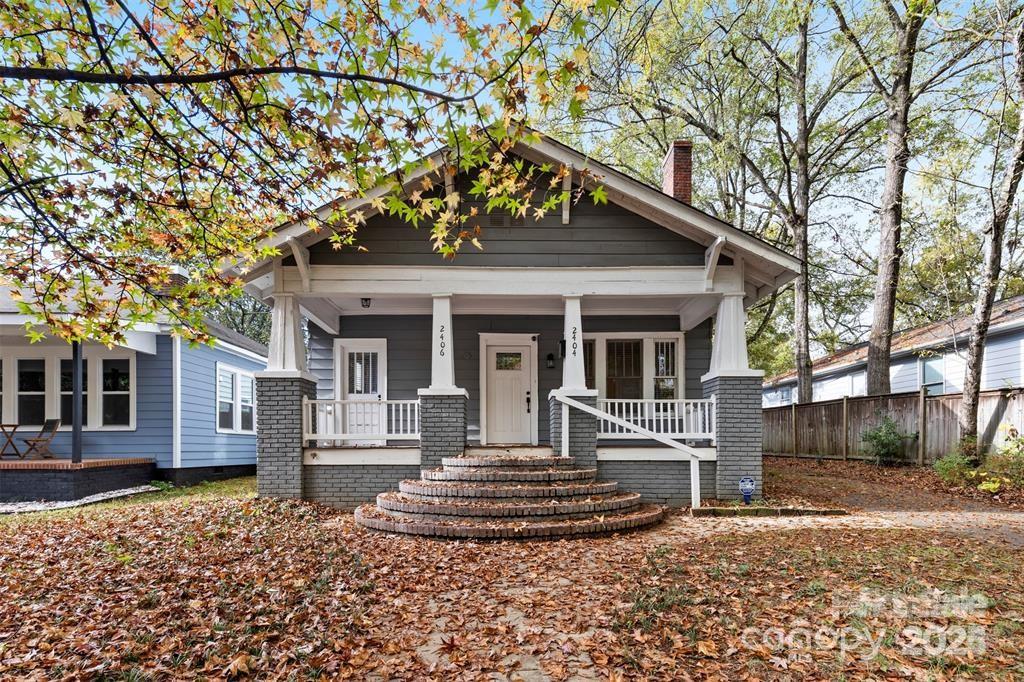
point(210, 586)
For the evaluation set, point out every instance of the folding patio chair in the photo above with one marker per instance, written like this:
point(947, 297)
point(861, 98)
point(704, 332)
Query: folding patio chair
point(40, 445)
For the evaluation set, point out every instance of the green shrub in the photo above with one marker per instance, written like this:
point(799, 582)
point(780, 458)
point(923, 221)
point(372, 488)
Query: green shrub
point(885, 443)
point(954, 468)
point(1008, 461)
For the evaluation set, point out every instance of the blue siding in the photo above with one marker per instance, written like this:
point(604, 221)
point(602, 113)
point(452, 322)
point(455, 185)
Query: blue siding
point(201, 445)
point(152, 434)
point(1002, 365)
point(904, 375)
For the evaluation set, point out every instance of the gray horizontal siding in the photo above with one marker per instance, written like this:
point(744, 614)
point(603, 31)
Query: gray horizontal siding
point(408, 339)
point(201, 445)
point(595, 236)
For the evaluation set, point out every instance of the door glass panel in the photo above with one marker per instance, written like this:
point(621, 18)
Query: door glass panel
point(665, 370)
point(625, 369)
point(362, 372)
point(508, 361)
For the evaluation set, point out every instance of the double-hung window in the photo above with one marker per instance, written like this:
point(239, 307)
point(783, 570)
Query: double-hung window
point(236, 400)
point(115, 392)
point(67, 396)
point(931, 375)
point(31, 397)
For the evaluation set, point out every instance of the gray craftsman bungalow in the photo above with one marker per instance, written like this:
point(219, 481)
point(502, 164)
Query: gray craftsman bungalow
point(624, 320)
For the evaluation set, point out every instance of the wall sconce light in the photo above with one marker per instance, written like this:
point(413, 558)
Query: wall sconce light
point(550, 361)
point(365, 302)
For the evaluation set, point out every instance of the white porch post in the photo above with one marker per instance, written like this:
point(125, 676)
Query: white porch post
point(729, 348)
point(287, 352)
point(573, 375)
point(442, 364)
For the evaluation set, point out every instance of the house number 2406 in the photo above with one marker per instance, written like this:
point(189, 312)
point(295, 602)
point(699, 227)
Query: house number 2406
point(441, 334)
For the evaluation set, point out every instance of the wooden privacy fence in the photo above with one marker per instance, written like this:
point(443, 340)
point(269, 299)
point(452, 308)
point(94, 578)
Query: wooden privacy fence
point(834, 429)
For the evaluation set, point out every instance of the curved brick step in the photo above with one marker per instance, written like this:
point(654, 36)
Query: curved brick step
point(510, 491)
point(371, 517)
point(502, 462)
point(514, 474)
point(404, 506)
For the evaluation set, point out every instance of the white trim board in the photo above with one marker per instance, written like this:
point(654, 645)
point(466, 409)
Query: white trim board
point(176, 401)
point(499, 339)
point(648, 454)
point(382, 457)
point(371, 281)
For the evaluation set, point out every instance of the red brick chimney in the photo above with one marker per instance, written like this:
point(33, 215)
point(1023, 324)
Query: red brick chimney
point(677, 171)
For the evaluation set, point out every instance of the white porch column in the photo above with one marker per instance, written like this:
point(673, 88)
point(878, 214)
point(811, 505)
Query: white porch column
point(287, 351)
point(573, 375)
point(729, 347)
point(442, 364)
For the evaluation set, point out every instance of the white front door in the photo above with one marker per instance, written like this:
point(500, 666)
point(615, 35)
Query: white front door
point(361, 381)
point(509, 402)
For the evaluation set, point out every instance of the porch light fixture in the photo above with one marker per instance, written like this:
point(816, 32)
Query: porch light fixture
point(365, 302)
point(549, 361)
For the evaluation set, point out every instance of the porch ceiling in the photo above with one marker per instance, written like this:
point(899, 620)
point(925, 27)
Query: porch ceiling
point(692, 310)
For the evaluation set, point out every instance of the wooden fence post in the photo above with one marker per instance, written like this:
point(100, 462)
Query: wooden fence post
point(846, 430)
point(796, 448)
point(922, 404)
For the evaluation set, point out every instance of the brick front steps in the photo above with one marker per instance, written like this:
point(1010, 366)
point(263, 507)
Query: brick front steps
point(507, 496)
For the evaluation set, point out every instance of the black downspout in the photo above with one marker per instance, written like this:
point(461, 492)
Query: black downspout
point(76, 401)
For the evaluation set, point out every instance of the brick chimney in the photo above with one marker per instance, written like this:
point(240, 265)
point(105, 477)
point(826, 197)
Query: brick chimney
point(677, 171)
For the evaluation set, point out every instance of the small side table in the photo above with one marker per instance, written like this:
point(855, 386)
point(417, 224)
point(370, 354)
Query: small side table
point(7, 432)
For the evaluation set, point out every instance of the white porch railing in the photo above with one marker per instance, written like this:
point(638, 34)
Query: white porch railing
point(636, 430)
point(360, 420)
point(681, 419)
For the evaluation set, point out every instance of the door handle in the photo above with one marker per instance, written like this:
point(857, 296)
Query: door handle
point(528, 401)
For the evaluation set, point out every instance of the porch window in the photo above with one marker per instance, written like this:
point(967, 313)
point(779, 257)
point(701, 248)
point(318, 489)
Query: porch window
point(625, 369)
point(589, 349)
point(116, 392)
point(236, 400)
point(67, 396)
point(665, 373)
point(31, 399)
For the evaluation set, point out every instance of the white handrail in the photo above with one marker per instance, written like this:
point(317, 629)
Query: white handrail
point(695, 456)
point(360, 420)
point(677, 418)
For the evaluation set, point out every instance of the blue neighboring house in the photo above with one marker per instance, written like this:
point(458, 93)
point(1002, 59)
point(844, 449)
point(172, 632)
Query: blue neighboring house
point(930, 356)
point(191, 409)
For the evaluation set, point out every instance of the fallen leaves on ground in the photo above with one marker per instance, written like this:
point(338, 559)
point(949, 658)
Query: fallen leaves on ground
point(240, 588)
point(863, 485)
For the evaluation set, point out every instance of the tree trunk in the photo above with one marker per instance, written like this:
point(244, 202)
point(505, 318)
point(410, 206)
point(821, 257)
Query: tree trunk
point(992, 267)
point(798, 224)
point(889, 251)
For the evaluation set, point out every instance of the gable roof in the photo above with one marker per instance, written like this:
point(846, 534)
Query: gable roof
point(766, 267)
point(1008, 312)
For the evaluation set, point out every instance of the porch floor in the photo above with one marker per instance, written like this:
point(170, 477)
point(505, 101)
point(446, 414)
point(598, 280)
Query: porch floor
point(67, 464)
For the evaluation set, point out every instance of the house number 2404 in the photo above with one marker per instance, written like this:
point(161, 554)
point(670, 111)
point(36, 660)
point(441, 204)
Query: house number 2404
point(574, 343)
point(441, 335)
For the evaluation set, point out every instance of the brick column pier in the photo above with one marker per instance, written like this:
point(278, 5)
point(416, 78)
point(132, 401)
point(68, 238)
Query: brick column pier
point(582, 428)
point(442, 424)
point(279, 434)
point(737, 431)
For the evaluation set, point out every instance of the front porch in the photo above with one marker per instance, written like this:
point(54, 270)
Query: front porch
point(399, 382)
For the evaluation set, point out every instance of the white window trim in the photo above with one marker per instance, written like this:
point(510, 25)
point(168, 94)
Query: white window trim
point(236, 410)
point(502, 339)
point(343, 346)
point(648, 339)
point(51, 356)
